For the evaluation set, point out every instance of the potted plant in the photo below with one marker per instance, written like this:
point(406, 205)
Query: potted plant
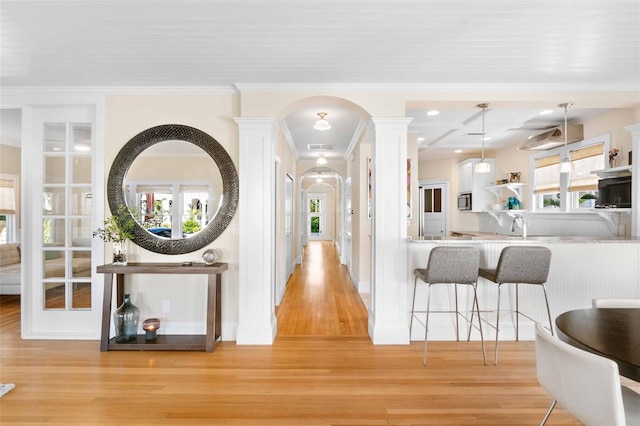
point(118, 228)
point(587, 200)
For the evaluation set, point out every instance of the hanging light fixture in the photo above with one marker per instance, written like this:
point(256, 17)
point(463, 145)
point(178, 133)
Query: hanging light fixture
point(322, 124)
point(319, 180)
point(565, 166)
point(482, 166)
point(321, 161)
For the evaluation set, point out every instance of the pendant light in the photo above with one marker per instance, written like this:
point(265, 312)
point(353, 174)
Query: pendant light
point(321, 161)
point(482, 166)
point(322, 124)
point(565, 166)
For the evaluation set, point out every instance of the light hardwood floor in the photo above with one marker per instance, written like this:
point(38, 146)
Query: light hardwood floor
point(321, 370)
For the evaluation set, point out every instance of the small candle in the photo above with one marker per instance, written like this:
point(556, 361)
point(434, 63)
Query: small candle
point(151, 326)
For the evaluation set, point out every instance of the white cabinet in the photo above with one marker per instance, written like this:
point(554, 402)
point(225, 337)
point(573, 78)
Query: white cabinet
point(475, 183)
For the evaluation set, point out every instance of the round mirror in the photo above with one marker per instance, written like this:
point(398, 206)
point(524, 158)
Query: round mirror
point(178, 183)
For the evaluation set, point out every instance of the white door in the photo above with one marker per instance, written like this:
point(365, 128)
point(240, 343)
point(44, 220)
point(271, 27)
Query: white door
point(316, 206)
point(288, 224)
point(345, 259)
point(61, 298)
point(433, 208)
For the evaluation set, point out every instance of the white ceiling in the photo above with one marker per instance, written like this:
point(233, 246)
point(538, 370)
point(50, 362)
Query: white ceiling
point(547, 44)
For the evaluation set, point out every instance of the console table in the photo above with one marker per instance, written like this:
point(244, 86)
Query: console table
point(164, 342)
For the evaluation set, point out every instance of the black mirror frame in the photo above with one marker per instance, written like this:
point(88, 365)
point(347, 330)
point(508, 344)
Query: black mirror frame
point(166, 132)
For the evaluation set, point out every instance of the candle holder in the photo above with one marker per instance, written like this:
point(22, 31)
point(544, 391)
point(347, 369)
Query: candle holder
point(151, 326)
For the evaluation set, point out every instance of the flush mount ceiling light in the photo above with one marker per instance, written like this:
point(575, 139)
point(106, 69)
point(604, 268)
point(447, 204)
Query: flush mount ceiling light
point(433, 112)
point(322, 124)
point(565, 165)
point(321, 161)
point(482, 166)
point(319, 180)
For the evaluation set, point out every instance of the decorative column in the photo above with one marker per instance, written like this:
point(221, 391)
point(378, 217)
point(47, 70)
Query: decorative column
point(634, 129)
point(388, 318)
point(256, 312)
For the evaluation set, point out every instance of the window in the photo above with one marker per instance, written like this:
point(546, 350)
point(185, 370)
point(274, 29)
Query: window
point(173, 209)
point(583, 184)
point(575, 190)
point(547, 182)
point(7, 210)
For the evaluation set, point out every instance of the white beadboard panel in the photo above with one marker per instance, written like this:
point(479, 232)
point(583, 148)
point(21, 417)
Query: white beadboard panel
point(559, 224)
point(580, 271)
point(251, 41)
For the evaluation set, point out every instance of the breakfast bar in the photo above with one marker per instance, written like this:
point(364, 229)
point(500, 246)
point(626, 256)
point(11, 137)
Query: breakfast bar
point(582, 268)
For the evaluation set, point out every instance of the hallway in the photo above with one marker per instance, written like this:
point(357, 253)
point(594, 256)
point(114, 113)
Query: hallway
point(320, 299)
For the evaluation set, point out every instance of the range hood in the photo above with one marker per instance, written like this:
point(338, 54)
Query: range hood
point(553, 138)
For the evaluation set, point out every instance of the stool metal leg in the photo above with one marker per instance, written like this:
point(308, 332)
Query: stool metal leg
point(544, 290)
point(413, 305)
point(426, 324)
point(517, 315)
point(495, 353)
point(475, 298)
point(455, 287)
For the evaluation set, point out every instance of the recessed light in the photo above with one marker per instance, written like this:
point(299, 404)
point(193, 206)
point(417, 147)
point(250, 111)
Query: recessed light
point(457, 151)
point(433, 112)
point(420, 139)
point(486, 138)
point(546, 112)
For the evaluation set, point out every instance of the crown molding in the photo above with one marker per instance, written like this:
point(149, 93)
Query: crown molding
point(124, 90)
point(436, 87)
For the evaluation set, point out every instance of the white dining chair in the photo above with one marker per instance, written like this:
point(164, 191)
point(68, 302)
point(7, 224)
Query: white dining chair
point(585, 384)
point(616, 303)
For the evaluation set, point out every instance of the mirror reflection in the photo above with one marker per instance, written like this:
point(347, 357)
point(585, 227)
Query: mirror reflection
point(173, 189)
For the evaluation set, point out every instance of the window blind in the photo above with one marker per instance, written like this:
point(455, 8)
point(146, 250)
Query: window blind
point(585, 160)
point(547, 175)
point(7, 197)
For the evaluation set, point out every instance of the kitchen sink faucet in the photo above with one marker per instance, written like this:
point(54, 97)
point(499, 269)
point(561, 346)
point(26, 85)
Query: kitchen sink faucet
point(521, 222)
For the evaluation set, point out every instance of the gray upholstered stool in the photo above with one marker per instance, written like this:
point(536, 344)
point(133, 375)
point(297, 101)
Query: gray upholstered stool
point(449, 265)
point(520, 265)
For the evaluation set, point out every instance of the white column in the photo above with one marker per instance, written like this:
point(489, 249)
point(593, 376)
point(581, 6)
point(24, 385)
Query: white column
point(256, 313)
point(388, 319)
point(634, 129)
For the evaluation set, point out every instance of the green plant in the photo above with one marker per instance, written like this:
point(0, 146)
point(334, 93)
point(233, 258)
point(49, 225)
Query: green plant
point(587, 196)
point(191, 225)
point(118, 227)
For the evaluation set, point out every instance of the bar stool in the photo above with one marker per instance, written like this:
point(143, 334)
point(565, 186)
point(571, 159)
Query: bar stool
point(519, 265)
point(449, 265)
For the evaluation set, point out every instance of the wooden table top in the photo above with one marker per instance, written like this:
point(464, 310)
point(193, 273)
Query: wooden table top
point(612, 333)
point(163, 268)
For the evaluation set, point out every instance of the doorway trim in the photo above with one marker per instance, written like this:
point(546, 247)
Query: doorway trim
point(445, 202)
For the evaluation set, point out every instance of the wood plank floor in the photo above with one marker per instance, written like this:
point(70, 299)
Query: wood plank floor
point(321, 370)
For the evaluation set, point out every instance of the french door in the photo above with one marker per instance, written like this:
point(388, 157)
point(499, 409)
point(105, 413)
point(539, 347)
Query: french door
point(433, 210)
point(316, 216)
point(61, 300)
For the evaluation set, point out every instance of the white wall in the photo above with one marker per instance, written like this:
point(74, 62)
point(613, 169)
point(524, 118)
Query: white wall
point(126, 116)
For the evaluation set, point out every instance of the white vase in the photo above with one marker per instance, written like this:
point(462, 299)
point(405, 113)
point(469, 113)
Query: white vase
point(120, 253)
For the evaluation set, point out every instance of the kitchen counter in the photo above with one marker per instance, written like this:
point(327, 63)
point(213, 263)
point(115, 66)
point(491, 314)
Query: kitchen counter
point(487, 236)
point(582, 268)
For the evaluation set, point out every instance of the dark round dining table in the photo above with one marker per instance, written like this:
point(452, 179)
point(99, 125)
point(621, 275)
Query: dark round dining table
point(611, 333)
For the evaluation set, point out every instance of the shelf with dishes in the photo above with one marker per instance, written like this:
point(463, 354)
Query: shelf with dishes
point(499, 215)
point(515, 188)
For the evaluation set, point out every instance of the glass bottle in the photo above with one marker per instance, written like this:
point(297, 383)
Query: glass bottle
point(120, 253)
point(126, 320)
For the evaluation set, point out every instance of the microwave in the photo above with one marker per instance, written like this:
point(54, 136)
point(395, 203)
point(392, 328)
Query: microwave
point(614, 192)
point(464, 201)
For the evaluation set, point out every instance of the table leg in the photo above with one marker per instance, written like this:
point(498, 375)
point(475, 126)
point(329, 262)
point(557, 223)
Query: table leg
point(106, 312)
point(214, 316)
